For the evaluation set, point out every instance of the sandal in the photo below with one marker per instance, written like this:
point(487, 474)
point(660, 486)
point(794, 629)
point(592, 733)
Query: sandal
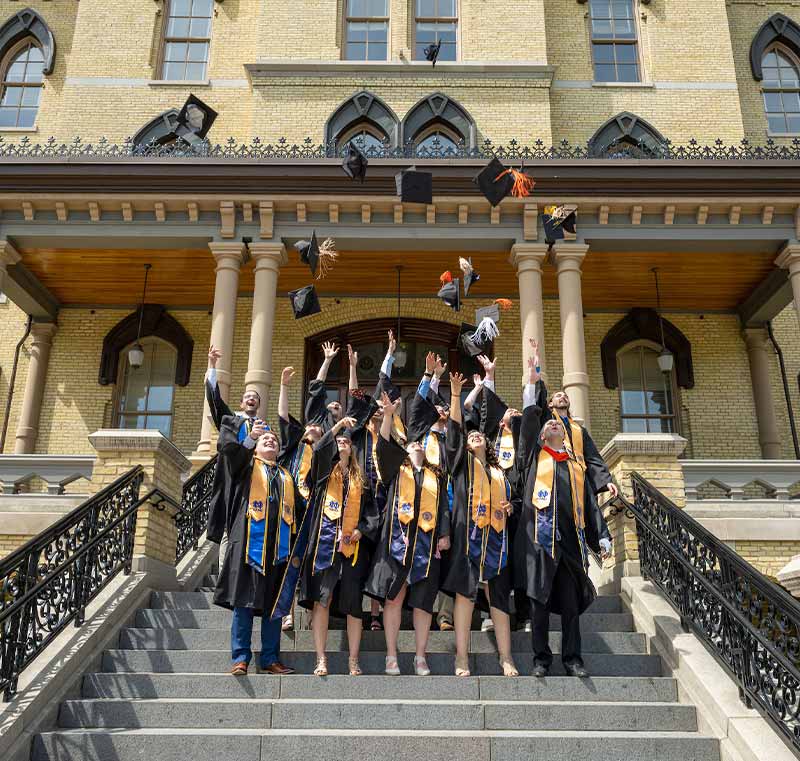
point(462, 666)
point(509, 669)
point(376, 623)
point(355, 668)
point(392, 668)
point(421, 666)
point(322, 666)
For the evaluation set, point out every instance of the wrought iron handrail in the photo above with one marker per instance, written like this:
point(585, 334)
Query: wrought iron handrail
point(192, 519)
point(747, 622)
point(538, 150)
point(48, 582)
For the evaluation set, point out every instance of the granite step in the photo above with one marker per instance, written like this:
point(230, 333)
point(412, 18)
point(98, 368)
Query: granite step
point(343, 745)
point(407, 714)
point(264, 686)
point(218, 661)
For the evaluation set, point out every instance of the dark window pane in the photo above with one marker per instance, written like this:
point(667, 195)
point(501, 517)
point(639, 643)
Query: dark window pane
point(625, 30)
point(772, 101)
point(356, 51)
point(201, 27)
point(603, 53)
point(16, 72)
point(30, 96)
point(377, 51)
point(426, 8)
point(622, 9)
point(12, 96)
point(357, 31)
point(601, 28)
point(175, 51)
point(377, 32)
point(8, 117)
point(770, 59)
point(793, 122)
point(198, 51)
point(195, 72)
point(180, 7)
point(35, 54)
point(202, 7)
point(605, 73)
point(173, 71)
point(791, 101)
point(448, 51)
point(178, 27)
point(634, 425)
point(628, 73)
point(777, 123)
point(626, 53)
point(447, 9)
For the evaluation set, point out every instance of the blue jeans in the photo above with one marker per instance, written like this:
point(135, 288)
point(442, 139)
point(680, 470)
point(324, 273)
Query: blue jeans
point(242, 633)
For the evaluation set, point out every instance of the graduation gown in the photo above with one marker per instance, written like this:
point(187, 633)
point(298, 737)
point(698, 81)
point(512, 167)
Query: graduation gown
point(339, 587)
point(316, 411)
point(536, 563)
point(388, 573)
point(239, 584)
point(463, 575)
point(291, 447)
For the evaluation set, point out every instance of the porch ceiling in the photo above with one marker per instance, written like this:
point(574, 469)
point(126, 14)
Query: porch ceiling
point(618, 279)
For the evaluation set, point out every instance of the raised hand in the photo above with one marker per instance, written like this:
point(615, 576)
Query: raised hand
point(456, 384)
point(286, 375)
point(352, 356)
point(389, 406)
point(533, 370)
point(477, 381)
point(439, 368)
point(488, 365)
point(213, 355)
point(258, 430)
point(392, 343)
point(430, 362)
point(330, 350)
point(345, 422)
point(443, 544)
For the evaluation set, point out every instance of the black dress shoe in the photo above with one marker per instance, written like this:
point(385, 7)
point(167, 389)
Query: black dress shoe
point(576, 669)
point(540, 670)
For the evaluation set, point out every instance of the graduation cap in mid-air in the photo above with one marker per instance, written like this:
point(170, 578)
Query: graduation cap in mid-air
point(194, 119)
point(556, 220)
point(450, 291)
point(414, 186)
point(497, 181)
point(304, 302)
point(316, 256)
point(355, 163)
point(432, 52)
point(474, 341)
point(470, 276)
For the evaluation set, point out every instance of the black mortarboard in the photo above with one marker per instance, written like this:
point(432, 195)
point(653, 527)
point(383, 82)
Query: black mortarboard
point(304, 302)
point(355, 163)
point(470, 276)
point(450, 292)
point(432, 52)
point(555, 221)
point(309, 252)
point(414, 186)
point(494, 181)
point(467, 344)
point(188, 118)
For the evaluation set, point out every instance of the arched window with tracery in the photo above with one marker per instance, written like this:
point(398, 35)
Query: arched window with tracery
point(365, 120)
point(647, 395)
point(781, 90)
point(22, 78)
point(439, 126)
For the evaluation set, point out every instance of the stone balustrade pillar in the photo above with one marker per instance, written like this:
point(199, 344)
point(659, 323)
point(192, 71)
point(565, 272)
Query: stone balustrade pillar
point(568, 259)
point(268, 256)
point(28, 427)
point(756, 340)
point(527, 259)
point(119, 450)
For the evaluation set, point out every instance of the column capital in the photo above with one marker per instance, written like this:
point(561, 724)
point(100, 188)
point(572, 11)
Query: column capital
point(268, 254)
point(8, 254)
point(43, 332)
point(569, 255)
point(228, 253)
point(755, 337)
point(526, 256)
point(789, 258)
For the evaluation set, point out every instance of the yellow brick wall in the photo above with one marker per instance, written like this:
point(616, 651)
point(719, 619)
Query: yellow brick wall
point(12, 328)
point(787, 333)
point(767, 557)
point(11, 542)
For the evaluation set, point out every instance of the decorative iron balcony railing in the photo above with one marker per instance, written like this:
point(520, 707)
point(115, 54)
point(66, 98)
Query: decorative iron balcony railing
point(193, 516)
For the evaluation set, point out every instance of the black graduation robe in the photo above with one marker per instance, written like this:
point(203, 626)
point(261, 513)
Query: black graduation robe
point(388, 574)
point(341, 586)
point(422, 415)
point(463, 574)
point(292, 431)
point(316, 411)
point(239, 584)
point(535, 565)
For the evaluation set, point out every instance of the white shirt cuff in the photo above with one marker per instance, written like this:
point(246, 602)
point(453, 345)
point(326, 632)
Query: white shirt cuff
point(211, 376)
point(435, 384)
point(488, 384)
point(529, 395)
point(386, 367)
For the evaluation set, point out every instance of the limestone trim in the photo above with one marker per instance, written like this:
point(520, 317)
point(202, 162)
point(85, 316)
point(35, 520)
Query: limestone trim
point(527, 259)
point(8, 255)
point(131, 440)
point(789, 259)
point(760, 376)
point(651, 444)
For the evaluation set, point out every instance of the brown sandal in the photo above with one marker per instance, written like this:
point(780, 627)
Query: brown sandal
point(322, 667)
point(354, 666)
point(462, 666)
point(509, 669)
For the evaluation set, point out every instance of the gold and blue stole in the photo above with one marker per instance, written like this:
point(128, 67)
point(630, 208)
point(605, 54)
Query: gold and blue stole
point(504, 449)
point(402, 514)
point(340, 512)
point(244, 429)
point(433, 450)
point(259, 498)
point(545, 502)
point(300, 467)
point(487, 537)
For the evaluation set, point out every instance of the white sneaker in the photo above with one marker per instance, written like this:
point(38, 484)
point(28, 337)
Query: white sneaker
point(392, 667)
point(487, 625)
point(421, 666)
point(287, 624)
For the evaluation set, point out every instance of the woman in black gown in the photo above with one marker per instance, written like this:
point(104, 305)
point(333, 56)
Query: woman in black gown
point(479, 558)
point(415, 530)
point(337, 560)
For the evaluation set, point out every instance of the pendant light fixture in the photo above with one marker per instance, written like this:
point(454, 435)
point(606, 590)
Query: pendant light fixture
point(400, 355)
point(666, 359)
point(136, 352)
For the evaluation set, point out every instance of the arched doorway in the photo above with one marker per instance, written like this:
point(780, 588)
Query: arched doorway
point(369, 339)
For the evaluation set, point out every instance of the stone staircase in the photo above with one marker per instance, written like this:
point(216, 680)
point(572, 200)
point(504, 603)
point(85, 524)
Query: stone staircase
point(164, 695)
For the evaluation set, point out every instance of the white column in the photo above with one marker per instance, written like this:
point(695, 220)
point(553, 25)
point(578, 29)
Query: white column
point(568, 258)
point(268, 256)
point(28, 426)
point(756, 341)
point(229, 256)
point(789, 259)
point(527, 259)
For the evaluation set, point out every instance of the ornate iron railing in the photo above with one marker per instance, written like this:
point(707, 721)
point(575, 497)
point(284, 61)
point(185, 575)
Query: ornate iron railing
point(514, 150)
point(192, 518)
point(49, 581)
point(749, 624)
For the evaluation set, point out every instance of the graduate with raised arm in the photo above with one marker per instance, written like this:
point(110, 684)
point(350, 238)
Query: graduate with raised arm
point(337, 559)
point(263, 515)
point(415, 529)
point(560, 522)
point(479, 558)
point(319, 410)
point(235, 425)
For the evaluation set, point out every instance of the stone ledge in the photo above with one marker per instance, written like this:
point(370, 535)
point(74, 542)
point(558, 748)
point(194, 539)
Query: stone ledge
point(744, 735)
point(124, 440)
point(658, 444)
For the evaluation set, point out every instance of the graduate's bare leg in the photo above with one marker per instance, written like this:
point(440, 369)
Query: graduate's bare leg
point(502, 634)
point(392, 615)
point(354, 627)
point(375, 616)
point(462, 617)
point(422, 628)
point(319, 625)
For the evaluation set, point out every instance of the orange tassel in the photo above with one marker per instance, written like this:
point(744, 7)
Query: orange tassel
point(445, 277)
point(504, 304)
point(523, 184)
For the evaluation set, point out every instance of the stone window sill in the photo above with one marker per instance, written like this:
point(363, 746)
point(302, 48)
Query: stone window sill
point(19, 129)
point(179, 83)
point(783, 134)
point(626, 85)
